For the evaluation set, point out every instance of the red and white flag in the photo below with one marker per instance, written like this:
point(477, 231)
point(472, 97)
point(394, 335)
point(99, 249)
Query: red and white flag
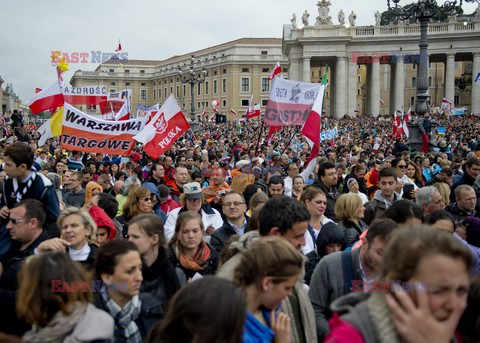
point(290, 102)
point(382, 102)
point(276, 70)
point(47, 99)
point(164, 129)
point(85, 95)
point(252, 111)
point(203, 112)
point(405, 119)
point(212, 117)
point(119, 48)
point(312, 127)
point(271, 131)
point(232, 111)
point(124, 113)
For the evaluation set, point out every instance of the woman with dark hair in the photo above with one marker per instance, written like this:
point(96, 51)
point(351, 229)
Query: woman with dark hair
point(159, 277)
point(119, 268)
point(189, 253)
point(422, 292)
point(442, 220)
point(210, 310)
point(405, 212)
point(50, 298)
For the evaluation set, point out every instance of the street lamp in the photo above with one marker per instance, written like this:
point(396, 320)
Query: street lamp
point(423, 10)
point(192, 78)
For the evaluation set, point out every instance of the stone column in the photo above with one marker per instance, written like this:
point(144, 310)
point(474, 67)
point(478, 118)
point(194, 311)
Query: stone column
point(340, 88)
point(368, 101)
point(375, 91)
point(450, 77)
point(393, 87)
point(352, 87)
point(294, 69)
point(306, 69)
point(475, 85)
point(399, 95)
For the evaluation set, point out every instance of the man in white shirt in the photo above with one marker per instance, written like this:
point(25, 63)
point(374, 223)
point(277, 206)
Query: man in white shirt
point(292, 171)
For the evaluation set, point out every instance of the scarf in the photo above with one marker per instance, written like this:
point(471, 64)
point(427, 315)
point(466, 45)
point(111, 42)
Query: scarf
point(57, 328)
point(164, 269)
point(199, 261)
point(382, 319)
point(19, 194)
point(125, 317)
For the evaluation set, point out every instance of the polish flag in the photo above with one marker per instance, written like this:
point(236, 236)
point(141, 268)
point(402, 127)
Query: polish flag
point(47, 99)
point(252, 111)
point(276, 70)
point(382, 102)
point(232, 111)
point(313, 125)
point(405, 129)
point(124, 113)
point(212, 117)
point(271, 131)
point(164, 129)
point(119, 48)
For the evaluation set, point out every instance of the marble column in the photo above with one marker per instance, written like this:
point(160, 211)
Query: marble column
point(306, 69)
point(450, 77)
point(340, 88)
point(475, 85)
point(393, 87)
point(375, 89)
point(399, 95)
point(368, 100)
point(352, 87)
point(294, 69)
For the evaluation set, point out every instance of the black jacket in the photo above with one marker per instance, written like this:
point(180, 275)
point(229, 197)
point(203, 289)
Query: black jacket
point(222, 234)
point(352, 231)
point(12, 262)
point(151, 312)
point(458, 213)
point(89, 263)
point(160, 279)
point(332, 196)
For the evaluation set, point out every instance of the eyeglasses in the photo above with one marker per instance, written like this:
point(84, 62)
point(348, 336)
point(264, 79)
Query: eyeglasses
point(235, 203)
point(152, 199)
point(17, 221)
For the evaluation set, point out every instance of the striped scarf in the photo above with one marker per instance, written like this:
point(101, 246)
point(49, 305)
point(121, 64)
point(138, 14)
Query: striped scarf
point(125, 317)
point(19, 194)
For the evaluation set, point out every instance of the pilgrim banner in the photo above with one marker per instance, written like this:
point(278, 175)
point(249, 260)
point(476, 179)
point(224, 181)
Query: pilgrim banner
point(85, 95)
point(290, 102)
point(82, 132)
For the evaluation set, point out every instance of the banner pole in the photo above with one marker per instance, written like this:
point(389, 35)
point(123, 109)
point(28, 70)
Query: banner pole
point(288, 144)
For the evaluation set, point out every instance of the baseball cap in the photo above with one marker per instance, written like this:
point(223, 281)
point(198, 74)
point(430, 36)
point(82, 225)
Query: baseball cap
point(193, 190)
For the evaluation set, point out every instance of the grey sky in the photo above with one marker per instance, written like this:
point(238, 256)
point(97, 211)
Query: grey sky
point(148, 29)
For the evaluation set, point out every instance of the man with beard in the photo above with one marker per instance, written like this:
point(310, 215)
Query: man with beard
point(337, 273)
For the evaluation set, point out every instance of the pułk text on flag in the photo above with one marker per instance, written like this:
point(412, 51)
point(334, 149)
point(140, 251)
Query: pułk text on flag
point(276, 70)
point(82, 132)
point(290, 102)
point(51, 128)
point(313, 125)
point(164, 129)
point(48, 98)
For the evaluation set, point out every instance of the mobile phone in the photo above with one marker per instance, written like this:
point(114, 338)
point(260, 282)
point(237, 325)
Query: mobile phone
point(407, 189)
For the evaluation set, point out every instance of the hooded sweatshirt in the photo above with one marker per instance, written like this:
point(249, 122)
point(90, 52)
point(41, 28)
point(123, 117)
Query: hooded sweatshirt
point(103, 220)
point(376, 207)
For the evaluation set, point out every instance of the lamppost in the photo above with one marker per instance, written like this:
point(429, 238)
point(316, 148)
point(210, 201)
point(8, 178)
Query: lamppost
point(423, 10)
point(192, 78)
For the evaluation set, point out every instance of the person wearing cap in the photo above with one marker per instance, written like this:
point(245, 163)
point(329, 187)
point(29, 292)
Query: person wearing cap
point(167, 204)
point(292, 171)
point(242, 176)
point(192, 199)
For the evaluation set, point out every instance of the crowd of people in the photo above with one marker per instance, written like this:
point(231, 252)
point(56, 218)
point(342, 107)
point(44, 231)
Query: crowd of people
point(233, 237)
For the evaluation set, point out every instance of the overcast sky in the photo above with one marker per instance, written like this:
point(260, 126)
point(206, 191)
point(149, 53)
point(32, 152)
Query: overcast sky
point(148, 29)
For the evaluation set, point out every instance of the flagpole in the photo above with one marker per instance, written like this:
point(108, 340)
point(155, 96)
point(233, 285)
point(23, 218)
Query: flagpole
point(288, 144)
point(259, 136)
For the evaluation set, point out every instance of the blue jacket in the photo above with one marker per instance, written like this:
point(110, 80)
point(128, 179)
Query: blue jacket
point(256, 332)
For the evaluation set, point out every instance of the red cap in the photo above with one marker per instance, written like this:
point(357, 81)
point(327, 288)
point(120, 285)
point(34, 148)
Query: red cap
point(103, 220)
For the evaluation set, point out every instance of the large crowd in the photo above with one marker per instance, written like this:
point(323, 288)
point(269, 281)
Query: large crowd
point(231, 236)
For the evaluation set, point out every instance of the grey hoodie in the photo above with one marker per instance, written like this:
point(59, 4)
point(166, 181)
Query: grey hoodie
point(375, 208)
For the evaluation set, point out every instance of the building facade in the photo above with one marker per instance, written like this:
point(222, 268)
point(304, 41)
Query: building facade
point(373, 68)
point(236, 70)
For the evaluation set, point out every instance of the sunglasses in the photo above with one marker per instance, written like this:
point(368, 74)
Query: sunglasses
point(17, 221)
point(402, 166)
point(152, 199)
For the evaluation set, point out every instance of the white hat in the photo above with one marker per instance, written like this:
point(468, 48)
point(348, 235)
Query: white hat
point(242, 163)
